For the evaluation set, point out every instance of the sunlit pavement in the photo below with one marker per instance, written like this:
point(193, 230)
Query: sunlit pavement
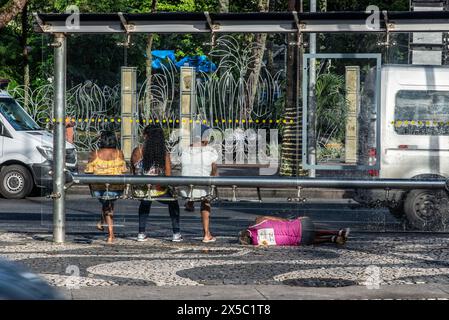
point(379, 261)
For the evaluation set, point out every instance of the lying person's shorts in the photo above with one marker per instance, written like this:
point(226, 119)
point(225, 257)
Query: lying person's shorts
point(307, 231)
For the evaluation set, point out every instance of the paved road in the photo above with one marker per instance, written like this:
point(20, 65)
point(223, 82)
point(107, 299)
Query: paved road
point(378, 261)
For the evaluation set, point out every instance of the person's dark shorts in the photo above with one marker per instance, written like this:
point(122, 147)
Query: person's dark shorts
point(307, 231)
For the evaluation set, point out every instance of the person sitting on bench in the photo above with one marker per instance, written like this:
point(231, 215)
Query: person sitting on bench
point(199, 159)
point(107, 160)
point(152, 159)
point(275, 231)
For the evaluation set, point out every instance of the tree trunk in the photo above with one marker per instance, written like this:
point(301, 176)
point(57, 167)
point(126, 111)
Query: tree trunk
point(291, 151)
point(11, 9)
point(270, 57)
point(149, 70)
point(26, 62)
point(260, 39)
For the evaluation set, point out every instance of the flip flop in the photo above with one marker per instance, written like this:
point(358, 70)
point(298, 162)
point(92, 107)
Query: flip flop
point(344, 233)
point(210, 240)
point(347, 231)
point(339, 240)
point(99, 226)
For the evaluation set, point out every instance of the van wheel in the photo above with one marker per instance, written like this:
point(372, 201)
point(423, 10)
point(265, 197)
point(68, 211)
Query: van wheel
point(427, 210)
point(16, 182)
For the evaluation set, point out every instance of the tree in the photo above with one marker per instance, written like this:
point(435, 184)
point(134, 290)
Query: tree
point(148, 65)
point(10, 10)
point(258, 52)
point(291, 152)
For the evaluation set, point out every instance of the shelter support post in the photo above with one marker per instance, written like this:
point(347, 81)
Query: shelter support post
point(58, 195)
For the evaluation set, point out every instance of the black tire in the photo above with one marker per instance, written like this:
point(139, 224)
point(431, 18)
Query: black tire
point(16, 182)
point(427, 210)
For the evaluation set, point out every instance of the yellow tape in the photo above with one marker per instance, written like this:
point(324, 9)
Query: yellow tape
point(399, 123)
point(118, 120)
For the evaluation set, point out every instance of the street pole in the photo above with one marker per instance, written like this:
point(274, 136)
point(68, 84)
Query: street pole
point(59, 139)
point(311, 117)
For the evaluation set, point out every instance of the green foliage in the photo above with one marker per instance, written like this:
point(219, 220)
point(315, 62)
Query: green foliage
point(331, 106)
point(98, 58)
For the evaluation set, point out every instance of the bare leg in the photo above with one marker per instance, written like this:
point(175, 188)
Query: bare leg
point(108, 211)
point(109, 221)
point(205, 213)
point(101, 222)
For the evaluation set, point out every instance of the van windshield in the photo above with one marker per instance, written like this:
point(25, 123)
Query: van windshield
point(16, 116)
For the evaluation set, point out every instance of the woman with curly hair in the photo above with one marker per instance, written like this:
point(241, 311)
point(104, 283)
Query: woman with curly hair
point(152, 158)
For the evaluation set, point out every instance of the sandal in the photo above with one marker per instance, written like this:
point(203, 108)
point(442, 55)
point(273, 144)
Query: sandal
point(344, 233)
point(340, 240)
point(100, 226)
point(213, 239)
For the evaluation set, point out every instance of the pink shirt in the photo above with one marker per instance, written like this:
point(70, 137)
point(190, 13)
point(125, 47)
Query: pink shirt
point(276, 233)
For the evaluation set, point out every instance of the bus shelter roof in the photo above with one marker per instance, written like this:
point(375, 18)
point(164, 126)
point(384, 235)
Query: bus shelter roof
point(259, 22)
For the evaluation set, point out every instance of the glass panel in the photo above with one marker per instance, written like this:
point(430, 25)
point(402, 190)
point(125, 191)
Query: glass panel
point(343, 133)
point(421, 112)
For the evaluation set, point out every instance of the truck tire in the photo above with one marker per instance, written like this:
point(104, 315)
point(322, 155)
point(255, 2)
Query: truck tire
point(16, 182)
point(427, 210)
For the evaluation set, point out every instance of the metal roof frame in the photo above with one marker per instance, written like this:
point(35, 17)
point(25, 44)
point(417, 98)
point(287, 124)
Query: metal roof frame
point(260, 22)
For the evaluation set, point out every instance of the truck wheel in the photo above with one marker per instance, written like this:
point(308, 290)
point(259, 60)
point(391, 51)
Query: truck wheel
point(427, 210)
point(16, 182)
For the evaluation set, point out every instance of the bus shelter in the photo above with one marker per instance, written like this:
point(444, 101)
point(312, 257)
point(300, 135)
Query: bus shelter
point(293, 22)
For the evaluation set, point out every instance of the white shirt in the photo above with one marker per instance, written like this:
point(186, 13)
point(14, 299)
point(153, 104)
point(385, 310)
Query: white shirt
point(197, 162)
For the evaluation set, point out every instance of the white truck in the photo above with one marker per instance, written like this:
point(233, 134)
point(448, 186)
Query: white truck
point(26, 151)
point(414, 142)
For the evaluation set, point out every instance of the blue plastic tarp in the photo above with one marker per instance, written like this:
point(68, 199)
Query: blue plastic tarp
point(201, 63)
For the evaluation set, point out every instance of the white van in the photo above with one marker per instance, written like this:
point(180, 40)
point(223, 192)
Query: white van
point(26, 151)
point(414, 143)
